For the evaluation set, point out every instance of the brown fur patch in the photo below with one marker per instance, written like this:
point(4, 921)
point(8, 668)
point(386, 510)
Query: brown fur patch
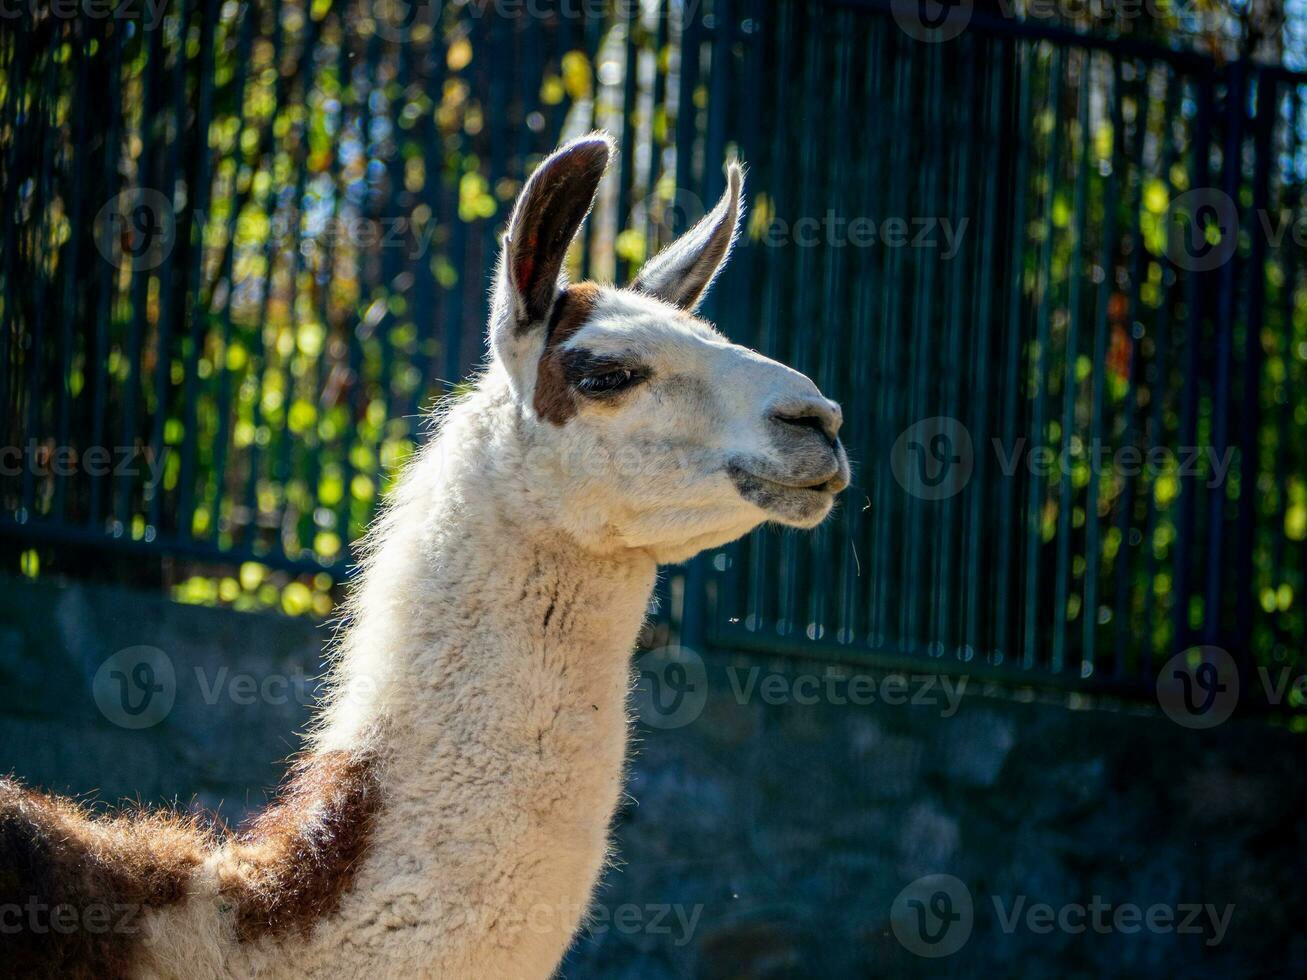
point(292, 864)
point(74, 886)
point(553, 399)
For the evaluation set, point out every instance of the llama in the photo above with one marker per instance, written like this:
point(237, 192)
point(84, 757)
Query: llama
point(449, 816)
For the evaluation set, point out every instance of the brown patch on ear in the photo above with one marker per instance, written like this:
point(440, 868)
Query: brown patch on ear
point(553, 399)
point(292, 864)
point(83, 882)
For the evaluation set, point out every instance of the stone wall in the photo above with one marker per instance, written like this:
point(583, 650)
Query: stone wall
point(790, 822)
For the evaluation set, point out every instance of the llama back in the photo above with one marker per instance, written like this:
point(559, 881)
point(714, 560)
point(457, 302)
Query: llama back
point(76, 888)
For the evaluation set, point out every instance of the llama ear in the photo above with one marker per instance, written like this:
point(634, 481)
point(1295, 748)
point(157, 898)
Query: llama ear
point(682, 272)
point(548, 213)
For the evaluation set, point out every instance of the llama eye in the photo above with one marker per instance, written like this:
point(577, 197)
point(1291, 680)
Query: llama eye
point(608, 382)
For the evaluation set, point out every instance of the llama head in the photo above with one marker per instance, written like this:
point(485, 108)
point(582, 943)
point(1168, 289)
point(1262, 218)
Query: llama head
point(641, 426)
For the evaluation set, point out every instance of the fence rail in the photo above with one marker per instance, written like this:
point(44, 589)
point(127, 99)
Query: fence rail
point(1056, 281)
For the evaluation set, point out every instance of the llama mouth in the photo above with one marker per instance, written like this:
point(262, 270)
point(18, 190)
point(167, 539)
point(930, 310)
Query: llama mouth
point(801, 502)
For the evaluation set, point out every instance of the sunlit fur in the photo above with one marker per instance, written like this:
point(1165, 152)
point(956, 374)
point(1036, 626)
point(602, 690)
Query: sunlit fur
point(484, 660)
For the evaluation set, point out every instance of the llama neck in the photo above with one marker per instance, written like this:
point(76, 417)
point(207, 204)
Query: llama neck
point(489, 664)
point(461, 600)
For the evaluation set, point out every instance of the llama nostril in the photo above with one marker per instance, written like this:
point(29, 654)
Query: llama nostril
point(802, 422)
point(823, 423)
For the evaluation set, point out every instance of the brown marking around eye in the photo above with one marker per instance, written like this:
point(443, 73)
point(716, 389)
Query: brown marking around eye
point(554, 400)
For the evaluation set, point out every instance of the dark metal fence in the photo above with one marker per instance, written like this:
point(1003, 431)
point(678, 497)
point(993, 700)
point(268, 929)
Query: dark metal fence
point(1056, 281)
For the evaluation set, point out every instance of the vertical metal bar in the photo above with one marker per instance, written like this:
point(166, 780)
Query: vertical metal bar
point(1106, 263)
point(452, 297)
point(1122, 611)
point(857, 336)
point(221, 367)
point(195, 314)
point(1039, 383)
point(271, 249)
point(693, 619)
point(163, 354)
point(68, 308)
point(105, 281)
point(1292, 207)
point(888, 411)
point(738, 288)
point(1190, 489)
point(1070, 384)
point(140, 283)
point(951, 371)
point(686, 121)
point(1005, 637)
point(46, 136)
point(1251, 413)
point(983, 387)
point(17, 85)
point(626, 159)
point(792, 564)
point(834, 315)
point(1158, 380)
point(1226, 299)
point(659, 128)
point(782, 37)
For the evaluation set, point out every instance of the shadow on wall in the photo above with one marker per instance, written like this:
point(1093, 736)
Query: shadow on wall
point(788, 819)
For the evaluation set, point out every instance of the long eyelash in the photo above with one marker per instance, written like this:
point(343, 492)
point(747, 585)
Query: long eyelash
point(579, 364)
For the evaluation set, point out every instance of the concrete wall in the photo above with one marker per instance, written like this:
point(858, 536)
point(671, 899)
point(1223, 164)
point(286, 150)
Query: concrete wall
point(777, 829)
